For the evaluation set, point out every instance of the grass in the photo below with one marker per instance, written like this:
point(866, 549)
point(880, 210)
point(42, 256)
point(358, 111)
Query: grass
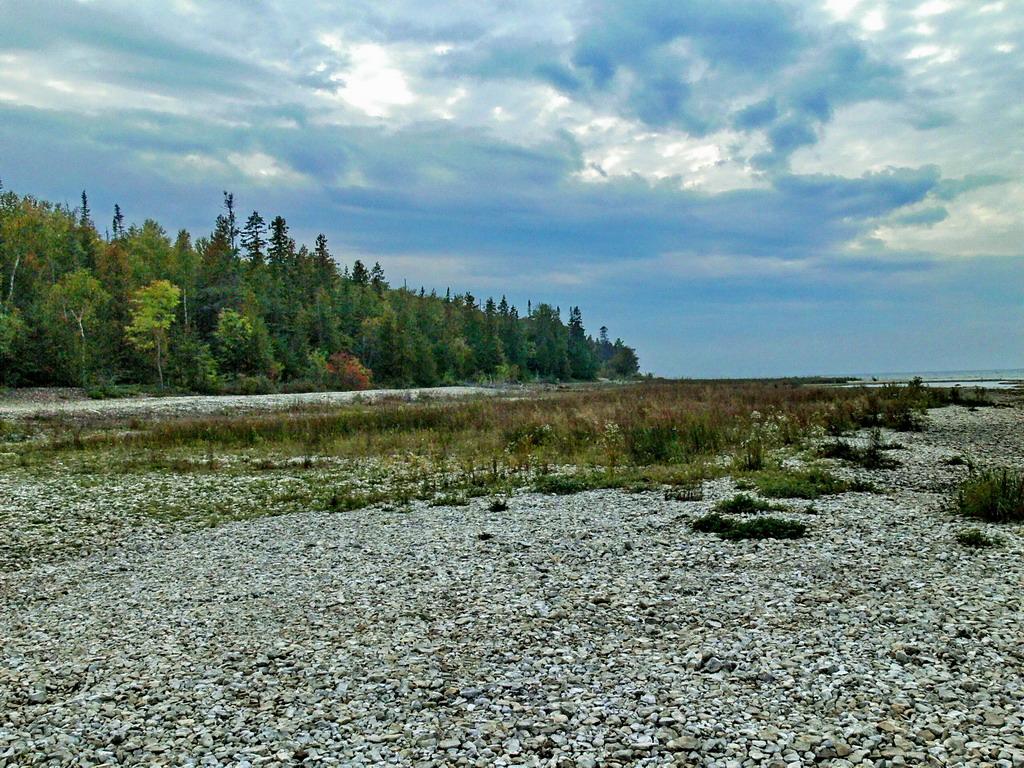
point(975, 538)
point(871, 456)
point(993, 495)
point(664, 436)
point(757, 528)
point(744, 504)
point(811, 483)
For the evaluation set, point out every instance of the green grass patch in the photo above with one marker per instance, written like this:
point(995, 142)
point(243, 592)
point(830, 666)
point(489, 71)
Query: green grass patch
point(993, 495)
point(975, 538)
point(809, 483)
point(757, 528)
point(744, 504)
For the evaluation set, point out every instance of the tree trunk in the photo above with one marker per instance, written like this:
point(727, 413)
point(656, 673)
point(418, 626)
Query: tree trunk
point(159, 366)
point(14, 271)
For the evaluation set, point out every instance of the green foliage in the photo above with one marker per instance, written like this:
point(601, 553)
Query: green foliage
point(656, 444)
point(993, 495)
point(809, 483)
point(563, 485)
point(975, 538)
point(713, 522)
point(268, 308)
point(756, 528)
point(870, 457)
point(743, 504)
point(153, 312)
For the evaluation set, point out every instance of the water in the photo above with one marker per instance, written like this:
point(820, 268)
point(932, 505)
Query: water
point(1006, 378)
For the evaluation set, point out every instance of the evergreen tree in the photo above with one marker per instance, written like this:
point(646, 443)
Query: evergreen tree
point(118, 223)
point(254, 239)
point(359, 274)
point(583, 362)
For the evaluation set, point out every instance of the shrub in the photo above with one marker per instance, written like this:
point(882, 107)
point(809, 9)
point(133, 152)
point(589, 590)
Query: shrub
point(498, 505)
point(870, 457)
point(712, 522)
point(766, 528)
point(756, 528)
point(801, 484)
point(743, 504)
point(994, 495)
point(345, 371)
point(975, 538)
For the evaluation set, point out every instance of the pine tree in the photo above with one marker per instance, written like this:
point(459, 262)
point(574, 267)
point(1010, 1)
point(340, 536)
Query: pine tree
point(254, 239)
point(582, 361)
point(282, 247)
point(84, 214)
point(359, 274)
point(118, 223)
point(377, 279)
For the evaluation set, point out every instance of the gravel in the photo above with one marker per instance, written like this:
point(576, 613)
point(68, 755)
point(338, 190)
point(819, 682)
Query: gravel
point(588, 630)
point(73, 403)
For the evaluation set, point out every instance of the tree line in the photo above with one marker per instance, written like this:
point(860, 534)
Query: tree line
point(246, 308)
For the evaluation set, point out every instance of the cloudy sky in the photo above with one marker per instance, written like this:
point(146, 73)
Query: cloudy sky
point(737, 187)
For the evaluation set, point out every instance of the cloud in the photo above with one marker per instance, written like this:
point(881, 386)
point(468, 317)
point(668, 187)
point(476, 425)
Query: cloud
point(672, 164)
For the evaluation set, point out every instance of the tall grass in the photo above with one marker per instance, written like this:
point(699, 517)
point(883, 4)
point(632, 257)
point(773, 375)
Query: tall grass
point(647, 424)
point(993, 495)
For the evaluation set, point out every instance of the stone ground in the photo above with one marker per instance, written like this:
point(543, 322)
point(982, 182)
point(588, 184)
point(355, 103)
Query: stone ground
point(72, 403)
point(589, 630)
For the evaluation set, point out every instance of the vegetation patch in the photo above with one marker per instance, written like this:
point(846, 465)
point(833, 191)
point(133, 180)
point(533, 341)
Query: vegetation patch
point(975, 538)
point(993, 495)
point(809, 483)
point(871, 456)
point(563, 485)
point(744, 504)
point(755, 528)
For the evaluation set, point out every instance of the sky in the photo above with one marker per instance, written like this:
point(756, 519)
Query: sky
point(736, 188)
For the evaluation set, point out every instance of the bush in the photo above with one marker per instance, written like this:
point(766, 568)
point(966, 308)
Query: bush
point(743, 504)
point(498, 505)
point(870, 457)
point(975, 538)
point(766, 528)
point(801, 484)
point(712, 522)
point(345, 371)
point(994, 495)
point(756, 528)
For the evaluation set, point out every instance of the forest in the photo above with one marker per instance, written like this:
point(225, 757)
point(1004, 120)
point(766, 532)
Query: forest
point(246, 309)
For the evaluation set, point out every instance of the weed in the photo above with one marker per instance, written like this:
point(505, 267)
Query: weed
point(744, 504)
point(498, 505)
point(766, 528)
point(755, 528)
point(975, 538)
point(712, 522)
point(563, 485)
point(809, 483)
point(685, 493)
point(870, 457)
point(994, 495)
